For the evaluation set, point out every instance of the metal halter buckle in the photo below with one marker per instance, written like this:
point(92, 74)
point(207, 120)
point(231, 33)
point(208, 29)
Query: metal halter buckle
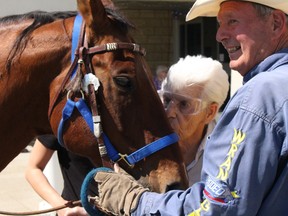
point(123, 157)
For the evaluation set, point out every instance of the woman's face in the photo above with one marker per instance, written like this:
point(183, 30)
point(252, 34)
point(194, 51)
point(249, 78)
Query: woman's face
point(185, 111)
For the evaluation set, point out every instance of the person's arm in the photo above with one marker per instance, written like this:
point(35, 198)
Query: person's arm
point(228, 186)
point(239, 169)
point(38, 160)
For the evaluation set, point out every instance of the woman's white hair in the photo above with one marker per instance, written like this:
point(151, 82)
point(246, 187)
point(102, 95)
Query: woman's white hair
point(201, 71)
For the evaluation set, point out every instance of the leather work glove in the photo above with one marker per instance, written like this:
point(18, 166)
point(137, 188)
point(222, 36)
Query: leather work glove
point(119, 193)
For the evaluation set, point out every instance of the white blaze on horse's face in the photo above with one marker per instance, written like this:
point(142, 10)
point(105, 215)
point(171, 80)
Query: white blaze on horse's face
point(36, 76)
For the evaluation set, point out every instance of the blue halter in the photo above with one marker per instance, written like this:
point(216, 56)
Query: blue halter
point(84, 110)
point(75, 38)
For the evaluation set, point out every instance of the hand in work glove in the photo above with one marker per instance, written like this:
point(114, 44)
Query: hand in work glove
point(119, 193)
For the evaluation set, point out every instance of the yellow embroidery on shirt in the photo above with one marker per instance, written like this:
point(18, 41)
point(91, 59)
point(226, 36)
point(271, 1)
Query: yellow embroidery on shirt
point(195, 213)
point(224, 169)
point(235, 194)
point(226, 165)
point(204, 206)
point(238, 137)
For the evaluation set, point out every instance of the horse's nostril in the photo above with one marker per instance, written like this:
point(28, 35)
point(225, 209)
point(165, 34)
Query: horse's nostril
point(173, 186)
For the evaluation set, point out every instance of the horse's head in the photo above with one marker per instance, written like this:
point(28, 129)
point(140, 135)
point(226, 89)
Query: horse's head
point(132, 115)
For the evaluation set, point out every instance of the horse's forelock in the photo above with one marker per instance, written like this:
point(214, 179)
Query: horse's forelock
point(119, 18)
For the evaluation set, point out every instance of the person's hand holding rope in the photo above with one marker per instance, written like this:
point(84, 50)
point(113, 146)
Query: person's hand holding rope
point(74, 211)
point(119, 193)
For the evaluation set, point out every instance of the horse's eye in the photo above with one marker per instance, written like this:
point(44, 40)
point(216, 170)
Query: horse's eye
point(123, 82)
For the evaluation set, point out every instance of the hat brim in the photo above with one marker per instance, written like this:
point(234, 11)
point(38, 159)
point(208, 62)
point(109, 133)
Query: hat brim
point(210, 8)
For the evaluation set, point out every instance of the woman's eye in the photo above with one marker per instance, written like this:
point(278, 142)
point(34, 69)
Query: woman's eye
point(184, 104)
point(166, 101)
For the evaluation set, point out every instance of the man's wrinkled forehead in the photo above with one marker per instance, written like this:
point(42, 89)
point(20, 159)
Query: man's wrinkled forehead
point(246, 2)
point(239, 5)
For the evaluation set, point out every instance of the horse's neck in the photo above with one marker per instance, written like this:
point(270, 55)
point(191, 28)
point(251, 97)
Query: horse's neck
point(24, 90)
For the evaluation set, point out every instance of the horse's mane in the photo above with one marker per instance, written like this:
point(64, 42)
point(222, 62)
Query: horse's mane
point(41, 18)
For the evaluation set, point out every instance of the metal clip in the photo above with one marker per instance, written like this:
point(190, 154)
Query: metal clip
point(123, 157)
point(71, 92)
point(136, 48)
point(102, 150)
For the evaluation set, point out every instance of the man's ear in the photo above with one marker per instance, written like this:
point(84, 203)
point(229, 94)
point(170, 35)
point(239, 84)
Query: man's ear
point(212, 111)
point(279, 22)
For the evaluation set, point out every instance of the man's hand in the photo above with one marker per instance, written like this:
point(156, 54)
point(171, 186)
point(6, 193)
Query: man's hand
point(119, 193)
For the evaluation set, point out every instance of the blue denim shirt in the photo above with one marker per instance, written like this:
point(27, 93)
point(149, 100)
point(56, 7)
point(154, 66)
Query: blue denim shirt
point(245, 169)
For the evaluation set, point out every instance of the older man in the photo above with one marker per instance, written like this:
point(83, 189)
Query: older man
point(245, 169)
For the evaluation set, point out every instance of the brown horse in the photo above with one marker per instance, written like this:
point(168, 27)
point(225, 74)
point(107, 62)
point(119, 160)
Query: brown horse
point(35, 62)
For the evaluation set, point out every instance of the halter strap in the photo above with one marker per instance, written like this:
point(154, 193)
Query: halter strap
point(67, 113)
point(76, 34)
point(81, 51)
point(141, 153)
point(113, 154)
point(114, 46)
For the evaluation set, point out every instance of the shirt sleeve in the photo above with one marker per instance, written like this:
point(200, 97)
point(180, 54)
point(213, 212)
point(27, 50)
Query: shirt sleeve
point(239, 168)
point(50, 142)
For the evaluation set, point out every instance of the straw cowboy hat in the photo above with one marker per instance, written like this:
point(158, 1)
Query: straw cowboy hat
point(210, 8)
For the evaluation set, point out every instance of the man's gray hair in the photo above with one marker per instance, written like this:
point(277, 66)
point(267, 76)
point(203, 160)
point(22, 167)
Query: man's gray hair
point(264, 10)
point(201, 71)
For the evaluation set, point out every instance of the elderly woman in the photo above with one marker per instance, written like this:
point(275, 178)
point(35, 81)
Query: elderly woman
point(192, 93)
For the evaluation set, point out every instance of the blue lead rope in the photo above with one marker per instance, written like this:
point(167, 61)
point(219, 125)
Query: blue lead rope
point(91, 210)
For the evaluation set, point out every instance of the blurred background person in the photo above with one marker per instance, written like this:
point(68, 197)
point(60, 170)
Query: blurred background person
point(160, 75)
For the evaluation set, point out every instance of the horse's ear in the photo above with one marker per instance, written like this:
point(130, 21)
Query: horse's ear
point(94, 14)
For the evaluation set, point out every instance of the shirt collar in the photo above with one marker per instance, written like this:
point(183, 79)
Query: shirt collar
point(270, 63)
point(200, 149)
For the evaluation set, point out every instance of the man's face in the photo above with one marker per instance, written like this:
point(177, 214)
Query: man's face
point(245, 35)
